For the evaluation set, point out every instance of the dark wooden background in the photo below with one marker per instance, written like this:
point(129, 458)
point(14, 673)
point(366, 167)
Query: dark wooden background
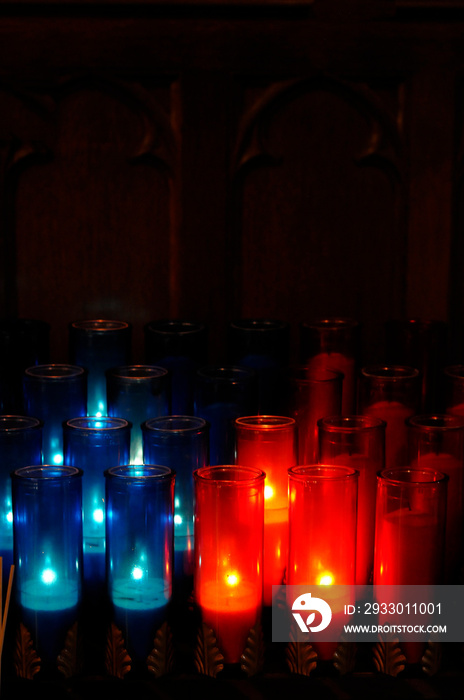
point(218, 160)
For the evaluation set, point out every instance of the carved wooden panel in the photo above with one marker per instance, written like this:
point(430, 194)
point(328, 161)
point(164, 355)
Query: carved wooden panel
point(93, 221)
point(321, 165)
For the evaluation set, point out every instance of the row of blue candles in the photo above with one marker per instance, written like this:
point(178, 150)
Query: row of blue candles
point(88, 530)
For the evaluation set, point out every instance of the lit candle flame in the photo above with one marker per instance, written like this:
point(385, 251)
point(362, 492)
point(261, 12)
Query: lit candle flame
point(232, 579)
point(268, 492)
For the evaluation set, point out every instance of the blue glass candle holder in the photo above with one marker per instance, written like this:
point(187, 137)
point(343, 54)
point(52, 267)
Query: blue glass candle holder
point(223, 394)
point(181, 347)
point(20, 445)
point(47, 507)
point(139, 539)
point(23, 342)
point(54, 393)
point(98, 345)
point(137, 393)
point(264, 346)
point(181, 443)
point(94, 445)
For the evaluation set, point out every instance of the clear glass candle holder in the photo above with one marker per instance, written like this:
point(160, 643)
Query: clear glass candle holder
point(391, 393)
point(98, 345)
point(139, 539)
point(263, 345)
point(322, 534)
point(47, 507)
point(269, 443)
point(333, 343)
point(137, 393)
point(222, 394)
point(453, 389)
point(228, 579)
point(182, 347)
point(419, 343)
point(436, 442)
point(181, 443)
point(54, 393)
point(311, 395)
point(357, 442)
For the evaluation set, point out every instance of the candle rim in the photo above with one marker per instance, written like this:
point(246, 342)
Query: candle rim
point(99, 325)
point(29, 423)
point(55, 371)
point(255, 475)
point(265, 422)
point(128, 373)
point(197, 424)
point(455, 422)
point(370, 422)
point(174, 326)
point(116, 423)
point(390, 372)
point(455, 371)
point(152, 472)
point(260, 325)
point(317, 473)
point(332, 323)
point(229, 374)
point(46, 472)
point(383, 478)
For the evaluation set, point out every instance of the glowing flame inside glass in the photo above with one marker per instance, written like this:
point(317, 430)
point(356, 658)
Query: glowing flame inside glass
point(48, 576)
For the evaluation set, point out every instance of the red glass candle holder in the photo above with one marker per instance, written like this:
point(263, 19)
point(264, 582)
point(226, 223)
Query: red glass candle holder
point(357, 442)
point(322, 533)
point(269, 443)
point(333, 343)
point(437, 442)
point(228, 577)
point(391, 393)
point(409, 535)
point(311, 396)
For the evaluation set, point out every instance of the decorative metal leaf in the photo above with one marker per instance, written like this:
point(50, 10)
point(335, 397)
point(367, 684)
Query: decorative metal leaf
point(117, 661)
point(161, 657)
point(388, 658)
point(27, 661)
point(252, 659)
point(344, 657)
point(281, 598)
point(431, 661)
point(208, 659)
point(301, 657)
point(68, 660)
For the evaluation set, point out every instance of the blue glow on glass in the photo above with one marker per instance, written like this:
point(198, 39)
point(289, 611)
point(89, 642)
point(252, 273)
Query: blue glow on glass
point(98, 515)
point(9, 517)
point(137, 573)
point(176, 502)
point(48, 576)
point(58, 459)
point(177, 520)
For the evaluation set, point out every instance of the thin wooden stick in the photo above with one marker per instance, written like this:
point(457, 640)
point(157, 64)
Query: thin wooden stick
point(7, 603)
point(1, 592)
point(4, 613)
